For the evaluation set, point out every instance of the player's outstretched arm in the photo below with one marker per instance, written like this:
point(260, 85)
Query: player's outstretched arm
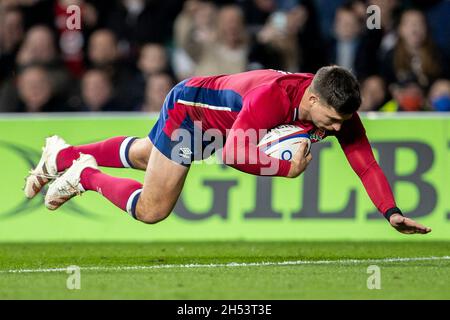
point(358, 151)
point(406, 225)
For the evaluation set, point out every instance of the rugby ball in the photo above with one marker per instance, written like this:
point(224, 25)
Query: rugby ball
point(282, 142)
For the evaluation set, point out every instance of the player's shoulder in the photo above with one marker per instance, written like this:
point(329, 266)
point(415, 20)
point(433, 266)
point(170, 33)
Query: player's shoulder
point(265, 91)
point(269, 75)
point(293, 75)
point(288, 75)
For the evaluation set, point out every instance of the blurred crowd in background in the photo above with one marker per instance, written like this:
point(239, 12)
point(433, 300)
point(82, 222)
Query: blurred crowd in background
point(128, 54)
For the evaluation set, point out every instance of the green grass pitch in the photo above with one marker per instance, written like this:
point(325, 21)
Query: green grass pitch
point(297, 270)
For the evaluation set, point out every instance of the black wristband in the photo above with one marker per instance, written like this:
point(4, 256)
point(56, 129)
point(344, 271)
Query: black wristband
point(391, 211)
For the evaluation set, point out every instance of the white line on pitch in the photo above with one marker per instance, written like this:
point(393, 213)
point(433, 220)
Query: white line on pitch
point(232, 264)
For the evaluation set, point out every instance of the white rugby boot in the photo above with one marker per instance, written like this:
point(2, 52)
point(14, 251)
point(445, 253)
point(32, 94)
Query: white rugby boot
point(46, 169)
point(68, 185)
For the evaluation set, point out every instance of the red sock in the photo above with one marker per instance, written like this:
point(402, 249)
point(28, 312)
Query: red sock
point(112, 153)
point(123, 192)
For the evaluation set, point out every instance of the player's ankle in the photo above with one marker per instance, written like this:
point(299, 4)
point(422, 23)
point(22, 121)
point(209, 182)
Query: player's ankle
point(65, 158)
point(86, 178)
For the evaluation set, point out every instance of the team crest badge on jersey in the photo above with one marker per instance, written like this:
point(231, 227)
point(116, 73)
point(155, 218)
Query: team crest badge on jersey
point(317, 134)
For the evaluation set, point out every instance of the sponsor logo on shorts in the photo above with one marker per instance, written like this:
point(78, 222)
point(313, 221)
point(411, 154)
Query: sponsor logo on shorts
point(185, 152)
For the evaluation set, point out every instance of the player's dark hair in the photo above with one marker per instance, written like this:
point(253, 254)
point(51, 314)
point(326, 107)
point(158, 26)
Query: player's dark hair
point(338, 87)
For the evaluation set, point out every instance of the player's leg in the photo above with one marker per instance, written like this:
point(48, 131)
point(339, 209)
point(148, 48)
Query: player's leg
point(164, 180)
point(57, 156)
point(116, 152)
point(84, 175)
point(113, 152)
point(150, 203)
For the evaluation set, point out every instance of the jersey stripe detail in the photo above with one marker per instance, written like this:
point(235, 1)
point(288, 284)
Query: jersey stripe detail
point(202, 105)
point(214, 99)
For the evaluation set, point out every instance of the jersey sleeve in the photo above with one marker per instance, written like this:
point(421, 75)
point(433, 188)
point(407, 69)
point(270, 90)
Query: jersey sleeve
point(263, 108)
point(357, 149)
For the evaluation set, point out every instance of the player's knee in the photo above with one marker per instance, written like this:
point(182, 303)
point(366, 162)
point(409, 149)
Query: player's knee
point(140, 153)
point(151, 217)
point(150, 214)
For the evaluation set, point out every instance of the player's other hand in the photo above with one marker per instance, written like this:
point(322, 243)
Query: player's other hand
point(406, 225)
point(299, 162)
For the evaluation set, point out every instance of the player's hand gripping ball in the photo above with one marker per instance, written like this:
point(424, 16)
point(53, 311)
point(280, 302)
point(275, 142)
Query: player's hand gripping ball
point(282, 142)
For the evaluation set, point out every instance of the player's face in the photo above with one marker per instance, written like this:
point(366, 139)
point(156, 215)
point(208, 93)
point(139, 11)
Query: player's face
point(326, 118)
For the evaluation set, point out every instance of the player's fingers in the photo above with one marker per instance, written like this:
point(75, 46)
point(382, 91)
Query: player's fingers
point(300, 154)
point(302, 148)
point(422, 229)
point(418, 228)
point(308, 157)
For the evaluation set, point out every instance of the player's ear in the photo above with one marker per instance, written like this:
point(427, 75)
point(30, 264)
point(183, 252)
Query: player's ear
point(313, 98)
